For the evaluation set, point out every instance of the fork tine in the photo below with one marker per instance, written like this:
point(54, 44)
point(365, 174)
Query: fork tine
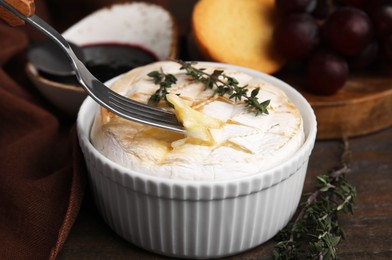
point(143, 117)
point(156, 121)
point(157, 115)
point(140, 106)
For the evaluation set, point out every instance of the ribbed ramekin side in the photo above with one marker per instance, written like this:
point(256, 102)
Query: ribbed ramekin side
point(193, 228)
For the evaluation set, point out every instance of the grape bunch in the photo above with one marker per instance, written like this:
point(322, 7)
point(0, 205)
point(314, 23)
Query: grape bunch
point(333, 37)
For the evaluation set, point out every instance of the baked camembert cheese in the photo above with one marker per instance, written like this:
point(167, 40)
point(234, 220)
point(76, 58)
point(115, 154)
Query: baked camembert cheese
point(224, 139)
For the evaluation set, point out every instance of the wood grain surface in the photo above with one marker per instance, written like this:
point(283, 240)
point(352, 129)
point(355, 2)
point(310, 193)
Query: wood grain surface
point(363, 106)
point(368, 231)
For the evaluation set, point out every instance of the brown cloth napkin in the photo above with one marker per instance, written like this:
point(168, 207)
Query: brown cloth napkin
point(42, 173)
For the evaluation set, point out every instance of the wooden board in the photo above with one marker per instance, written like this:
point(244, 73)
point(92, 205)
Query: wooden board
point(362, 107)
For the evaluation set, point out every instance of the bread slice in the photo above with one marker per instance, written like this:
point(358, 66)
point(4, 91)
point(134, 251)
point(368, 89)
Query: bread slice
point(237, 32)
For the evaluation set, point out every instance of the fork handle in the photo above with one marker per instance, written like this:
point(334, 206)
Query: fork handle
point(41, 25)
point(25, 7)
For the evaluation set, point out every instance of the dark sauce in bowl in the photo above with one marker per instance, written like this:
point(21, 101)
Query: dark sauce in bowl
point(107, 60)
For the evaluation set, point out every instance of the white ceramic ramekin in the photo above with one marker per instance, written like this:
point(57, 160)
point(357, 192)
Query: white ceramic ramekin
point(204, 219)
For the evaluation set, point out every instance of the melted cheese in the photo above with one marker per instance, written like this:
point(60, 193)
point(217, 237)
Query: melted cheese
point(196, 124)
point(224, 140)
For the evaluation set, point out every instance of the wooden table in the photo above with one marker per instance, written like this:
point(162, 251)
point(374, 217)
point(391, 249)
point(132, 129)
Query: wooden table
point(368, 231)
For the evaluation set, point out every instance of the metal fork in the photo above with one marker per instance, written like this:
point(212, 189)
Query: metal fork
point(114, 102)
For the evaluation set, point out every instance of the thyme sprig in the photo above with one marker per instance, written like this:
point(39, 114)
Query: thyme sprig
point(217, 80)
point(225, 85)
point(315, 232)
point(165, 81)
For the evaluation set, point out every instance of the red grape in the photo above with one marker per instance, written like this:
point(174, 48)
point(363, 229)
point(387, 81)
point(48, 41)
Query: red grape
point(346, 34)
point(374, 3)
point(386, 50)
point(356, 3)
point(365, 57)
point(295, 6)
point(296, 35)
point(381, 16)
point(327, 72)
point(323, 9)
point(348, 31)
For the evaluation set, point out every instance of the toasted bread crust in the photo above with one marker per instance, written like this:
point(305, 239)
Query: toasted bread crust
point(237, 32)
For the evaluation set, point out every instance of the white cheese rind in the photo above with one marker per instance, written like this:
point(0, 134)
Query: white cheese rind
point(245, 145)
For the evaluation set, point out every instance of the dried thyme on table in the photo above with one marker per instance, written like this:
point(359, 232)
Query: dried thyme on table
point(217, 80)
point(315, 232)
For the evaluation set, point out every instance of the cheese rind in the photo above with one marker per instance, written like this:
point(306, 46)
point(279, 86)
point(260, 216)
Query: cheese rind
point(240, 143)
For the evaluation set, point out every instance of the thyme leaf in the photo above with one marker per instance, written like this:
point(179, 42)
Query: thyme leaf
point(315, 232)
point(164, 81)
point(217, 80)
point(225, 85)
